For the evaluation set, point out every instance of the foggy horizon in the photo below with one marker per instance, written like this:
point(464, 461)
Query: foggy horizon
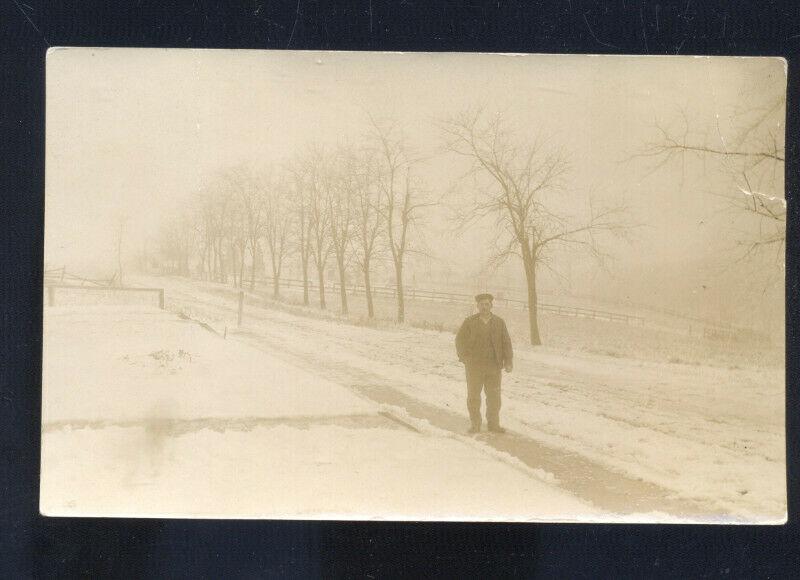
point(138, 137)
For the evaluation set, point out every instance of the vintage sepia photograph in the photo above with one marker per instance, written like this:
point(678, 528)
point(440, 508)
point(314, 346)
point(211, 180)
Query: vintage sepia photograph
point(414, 286)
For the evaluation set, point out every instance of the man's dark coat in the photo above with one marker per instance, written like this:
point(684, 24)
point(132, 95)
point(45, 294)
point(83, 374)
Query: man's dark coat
point(467, 337)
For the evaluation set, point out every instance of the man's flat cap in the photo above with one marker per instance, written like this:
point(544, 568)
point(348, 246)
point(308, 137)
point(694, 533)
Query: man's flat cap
point(483, 296)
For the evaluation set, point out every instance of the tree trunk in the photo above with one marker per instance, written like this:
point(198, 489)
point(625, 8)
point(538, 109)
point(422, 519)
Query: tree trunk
point(237, 281)
point(342, 285)
point(368, 290)
point(202, 267)
point(321, 273)
point(215, 276)
point(220, 267)
point(254, 252)
point(304, 260)
point(232, 256)
point(401, 307)
point(276, 275)
point(530, 277)
point(241, 269)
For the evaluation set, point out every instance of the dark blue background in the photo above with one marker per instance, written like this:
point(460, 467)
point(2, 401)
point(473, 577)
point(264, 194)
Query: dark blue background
point(32, 546)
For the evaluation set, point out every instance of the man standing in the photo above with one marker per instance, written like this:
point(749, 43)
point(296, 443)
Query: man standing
point(484, 346)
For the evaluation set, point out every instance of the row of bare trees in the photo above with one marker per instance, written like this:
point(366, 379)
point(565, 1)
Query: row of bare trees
point(355, 205)
point(351, 205)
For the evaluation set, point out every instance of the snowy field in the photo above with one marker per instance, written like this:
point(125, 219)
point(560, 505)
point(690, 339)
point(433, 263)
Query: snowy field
point(375, 418)
point(146, 414)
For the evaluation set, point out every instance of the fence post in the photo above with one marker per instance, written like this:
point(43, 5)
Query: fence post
point(51, 295)
point(241, 305)
point(161, 298)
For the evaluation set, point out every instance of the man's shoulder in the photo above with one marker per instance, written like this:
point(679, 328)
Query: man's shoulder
point(498, 319)
point(469, 320)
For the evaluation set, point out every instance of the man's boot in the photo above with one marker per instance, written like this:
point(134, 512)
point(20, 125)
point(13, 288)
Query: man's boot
point(496, 429)
point(474, 429)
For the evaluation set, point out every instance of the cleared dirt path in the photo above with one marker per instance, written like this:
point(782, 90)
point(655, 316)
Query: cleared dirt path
point(641, 412)
point(606, 489)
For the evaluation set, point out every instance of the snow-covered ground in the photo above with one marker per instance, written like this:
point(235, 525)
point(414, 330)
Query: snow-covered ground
point(710, 438)
point(141, 406)
point(148, 414)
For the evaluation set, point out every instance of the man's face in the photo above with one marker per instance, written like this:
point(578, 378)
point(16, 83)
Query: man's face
point(485, 306)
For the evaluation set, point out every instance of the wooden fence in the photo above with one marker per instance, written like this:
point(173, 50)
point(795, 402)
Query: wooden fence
point(117, 290)
point(60, 281)
point(454, 297)
point(61, 276)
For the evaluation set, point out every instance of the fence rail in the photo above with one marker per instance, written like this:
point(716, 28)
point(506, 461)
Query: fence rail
point(61, 276)
point(51, 291)
point(454, 297)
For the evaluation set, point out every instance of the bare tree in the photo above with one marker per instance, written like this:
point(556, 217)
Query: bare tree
point(750, 151)
point(341, 213)
point(235, 226)
point(220, 207)
point(204, 225)
point(277, 227)
point(368, 219)
point(519, 178)
point(319, 182)
point(400, 192)
point(299, 206)
point(175, 244)
point(249, 205)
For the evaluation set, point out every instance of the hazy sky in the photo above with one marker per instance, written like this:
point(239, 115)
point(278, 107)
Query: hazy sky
point(135, 131)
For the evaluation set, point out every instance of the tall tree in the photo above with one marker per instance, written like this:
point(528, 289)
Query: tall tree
point(319, 183)
point(175, 244)
point(400, 197)
point(368, 219)
point(249, 199)
point(236, 233)
point(205, 231)
point(518, 177)
point(341, 213)
point(277, 227)
point(299, 206)
point(220, 210)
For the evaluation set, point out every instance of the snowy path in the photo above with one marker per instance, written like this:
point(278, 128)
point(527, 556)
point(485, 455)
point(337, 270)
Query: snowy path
point(606, 489)
point(146, 414)
point(699, 442)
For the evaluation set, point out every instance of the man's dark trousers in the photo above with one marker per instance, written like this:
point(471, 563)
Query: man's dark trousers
point(483, 375)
